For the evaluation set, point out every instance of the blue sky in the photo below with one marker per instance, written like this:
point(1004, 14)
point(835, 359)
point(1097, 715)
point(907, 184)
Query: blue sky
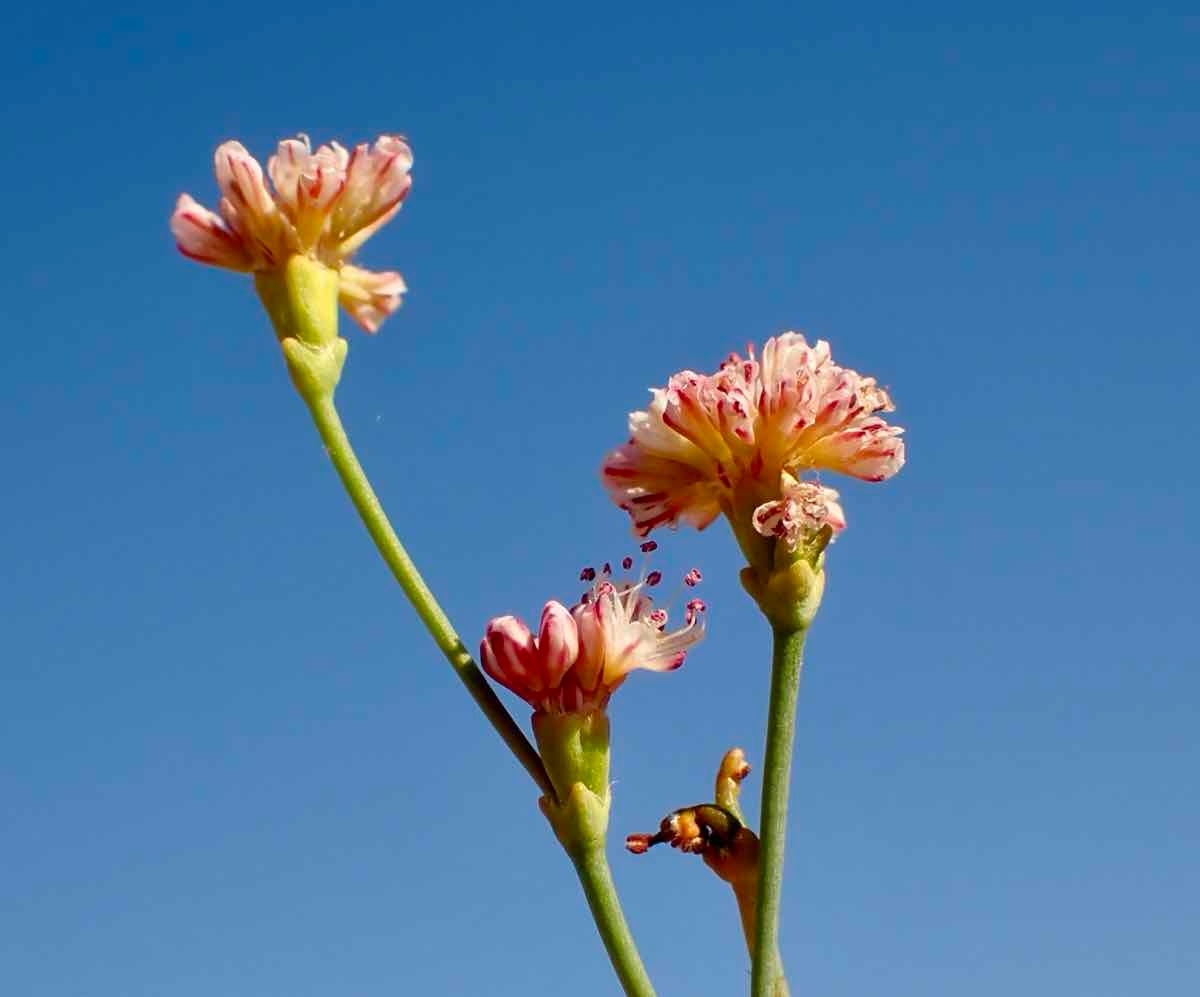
point(235, 765)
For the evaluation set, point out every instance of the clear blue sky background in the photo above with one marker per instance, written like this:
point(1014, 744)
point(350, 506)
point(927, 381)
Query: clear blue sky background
point(232, 762)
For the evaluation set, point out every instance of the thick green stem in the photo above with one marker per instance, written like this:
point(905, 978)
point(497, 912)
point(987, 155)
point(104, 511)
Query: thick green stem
point(592, 866)
point(337, 445)
point(786, 664)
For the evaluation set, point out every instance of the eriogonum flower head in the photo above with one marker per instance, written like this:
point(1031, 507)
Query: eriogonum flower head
point(707, 441)
point(321, 204)
point(580, 655)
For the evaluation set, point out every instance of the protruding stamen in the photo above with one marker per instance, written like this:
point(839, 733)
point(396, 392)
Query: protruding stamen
point(639, 844)
point(692, 578)
point(649, 546)
point(627, 563)
point(587, 575)
point(653, 578)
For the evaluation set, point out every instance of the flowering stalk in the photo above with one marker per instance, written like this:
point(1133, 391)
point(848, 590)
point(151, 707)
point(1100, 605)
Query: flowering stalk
point(735, 443)
point(786, 664)
point(601, 894)
point(297, 238)
point(431, 614)
point(575, 746)
point(568, 672)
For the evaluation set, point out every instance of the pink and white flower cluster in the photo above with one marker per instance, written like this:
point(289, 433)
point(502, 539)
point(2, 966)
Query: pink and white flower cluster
point(324, 204)
point(580, 655)
point(707, 442)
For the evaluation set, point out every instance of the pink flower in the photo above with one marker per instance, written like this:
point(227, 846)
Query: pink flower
point(324, 205)
point(706, 442)
point(581, 655)
point(802, 512)
point(369, 297)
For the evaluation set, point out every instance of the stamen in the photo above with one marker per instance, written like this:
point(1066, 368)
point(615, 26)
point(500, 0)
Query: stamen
point(648, 546)
point(639, 844)
point(692, 578)
point(587, 575)
point(627, 563)
point(653, 578)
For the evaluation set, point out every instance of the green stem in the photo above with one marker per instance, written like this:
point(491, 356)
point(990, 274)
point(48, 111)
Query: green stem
point(787, 661)
point(592, 866)
point(337, 445)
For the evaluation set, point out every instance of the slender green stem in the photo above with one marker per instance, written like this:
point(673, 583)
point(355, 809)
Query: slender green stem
point(592, 866)
point(787, 661)
point(337, 445)
point(590, 863)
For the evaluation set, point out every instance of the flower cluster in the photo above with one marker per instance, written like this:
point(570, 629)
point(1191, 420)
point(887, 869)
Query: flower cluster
point(324, 205)
point(735, 442)
point(580, 655)
point(709, 442)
